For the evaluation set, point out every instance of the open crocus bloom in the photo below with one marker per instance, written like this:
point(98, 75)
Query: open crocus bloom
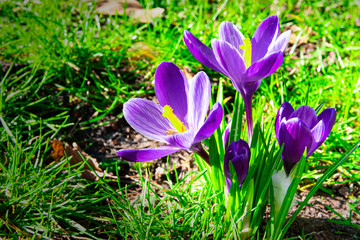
point(178, 119)
point(245, 62)
point(301, 129)
point(239, 154)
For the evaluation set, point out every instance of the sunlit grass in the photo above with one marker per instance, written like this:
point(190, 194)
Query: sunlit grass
point(65, 56)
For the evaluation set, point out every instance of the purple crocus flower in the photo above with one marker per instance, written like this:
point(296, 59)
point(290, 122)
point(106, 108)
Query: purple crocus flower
point(179, 118)
point(238, 153)
point(245, 62)
point(301, 129)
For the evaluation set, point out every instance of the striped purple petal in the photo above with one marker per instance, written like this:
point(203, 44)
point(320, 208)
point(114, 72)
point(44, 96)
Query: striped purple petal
point(199, 99)
point(228, 32)
point(264, 36)
point(146, 118)
point(171, 88)
point(231, 60)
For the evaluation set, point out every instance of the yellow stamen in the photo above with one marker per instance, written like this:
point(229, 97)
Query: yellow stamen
point(168, 113)
point(247, 48)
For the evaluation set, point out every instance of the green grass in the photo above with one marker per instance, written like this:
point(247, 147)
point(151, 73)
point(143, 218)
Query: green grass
point(68, 57)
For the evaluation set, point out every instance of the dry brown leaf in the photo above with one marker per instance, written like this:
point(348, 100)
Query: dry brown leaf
point(78, 156)
point(58, 150)
point(134, 8)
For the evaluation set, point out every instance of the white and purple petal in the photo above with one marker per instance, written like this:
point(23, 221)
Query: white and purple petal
point(280, 43)
point(199, 100)
point(228, 32)
point(146, 154)
point(146, 118)
point(171, 88)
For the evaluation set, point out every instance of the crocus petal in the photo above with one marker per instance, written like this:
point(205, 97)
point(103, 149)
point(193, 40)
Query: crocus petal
point(307, 114)
point(212, 122)
point(181, 140)
point(318, 133)
point(321, 131)
point(328, 116)
point(171, 88)
point(280, 43)
point(296, 136)
point(199, 99)
point(201, 52)
point(263, 67)
point(239, 154)
point(231, 60)
point(225, 136)
point(231, 34)
point(265, 34)
point(146, 118)
point(147, 154)
point(284, 113)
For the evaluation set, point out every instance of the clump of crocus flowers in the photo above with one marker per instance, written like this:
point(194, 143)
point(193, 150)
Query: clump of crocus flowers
point(182, 121)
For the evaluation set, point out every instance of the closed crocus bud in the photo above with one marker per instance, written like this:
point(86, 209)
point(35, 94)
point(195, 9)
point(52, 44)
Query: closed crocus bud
point(239, 154)
point(299, 129)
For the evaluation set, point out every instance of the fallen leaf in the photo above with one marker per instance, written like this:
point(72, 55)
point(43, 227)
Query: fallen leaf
point(134, 8)
point(78, 156)
point(92, 171)
point(58, 150)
